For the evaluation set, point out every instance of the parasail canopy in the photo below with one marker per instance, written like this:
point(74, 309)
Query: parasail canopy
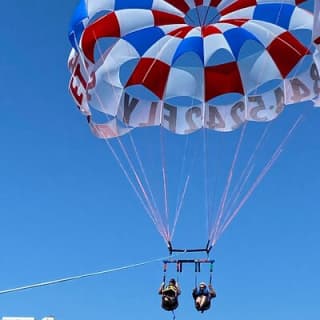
point(190, 64)
point(186, 65)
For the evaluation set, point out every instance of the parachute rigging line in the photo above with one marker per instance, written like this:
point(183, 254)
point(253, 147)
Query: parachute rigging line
point(137, 177)
point(144, 199)
point(143, 171)
point(149, 204)
point(221, 226)
point(78, 277)
point(143, 196)
point(185, 175)
point(226, 216)
point(207, 203)
point(146, 196)
point(178, 211)
point(246, 173)
point(227, 187)
point(164, 179)
point(262, 174)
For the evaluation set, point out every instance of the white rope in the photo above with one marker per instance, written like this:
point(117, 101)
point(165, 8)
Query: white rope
point(78, 277)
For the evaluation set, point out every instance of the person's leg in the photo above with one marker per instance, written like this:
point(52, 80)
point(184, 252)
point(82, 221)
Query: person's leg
point(203, 301)
point(198, 302)
point(169, 303)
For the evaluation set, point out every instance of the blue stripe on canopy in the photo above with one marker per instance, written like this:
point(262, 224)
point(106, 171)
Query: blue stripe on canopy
point(76, 24)
point(236, 38)
point(276, 13)
point(79, 14)
point(143, 39)
point(133, 4)
point(193, 45)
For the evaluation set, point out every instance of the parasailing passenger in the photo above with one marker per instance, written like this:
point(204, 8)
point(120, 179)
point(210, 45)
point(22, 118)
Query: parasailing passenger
point(170, 295)
point(202, 296)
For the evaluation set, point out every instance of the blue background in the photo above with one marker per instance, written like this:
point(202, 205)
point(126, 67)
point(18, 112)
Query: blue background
point(66, 209)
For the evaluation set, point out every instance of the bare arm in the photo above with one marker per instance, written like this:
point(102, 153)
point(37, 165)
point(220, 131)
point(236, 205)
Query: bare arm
point(160, 291)
point(212, 292)
point(178, 289)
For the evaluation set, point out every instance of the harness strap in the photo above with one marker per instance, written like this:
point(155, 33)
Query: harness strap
point(211, 270)
point(164, 272)
point(195, 275)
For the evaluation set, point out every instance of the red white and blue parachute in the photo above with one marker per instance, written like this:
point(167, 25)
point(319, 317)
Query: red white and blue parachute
point(185, 65)
point(190, 64)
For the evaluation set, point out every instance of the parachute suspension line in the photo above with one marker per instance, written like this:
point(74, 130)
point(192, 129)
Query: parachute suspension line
point(208, 208)
point(213, 235)
point(164, 180)
point(152, 210)
point(154, 213)
point(262, 174)
point(164, 224)
point(142, 169)
point(182, 190)
point(246, 173)
point(82, 276)
point(178, 210)
point(144, 202)
point(143, 196)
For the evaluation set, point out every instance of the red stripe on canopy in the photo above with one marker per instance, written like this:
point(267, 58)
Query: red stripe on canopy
point(152, 74)
point(163, 18)
point(208, 30)
point(107, 26)
point(286, 51)
point(237, 5)
point(214, 3)
point(222, 79)
point(179, 4)
point(180, 32)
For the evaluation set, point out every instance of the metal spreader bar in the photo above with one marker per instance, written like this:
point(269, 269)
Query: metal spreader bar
point(206, 249)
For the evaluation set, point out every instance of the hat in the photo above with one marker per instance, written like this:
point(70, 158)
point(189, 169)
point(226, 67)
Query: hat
point(172, 281)
point(202, 284)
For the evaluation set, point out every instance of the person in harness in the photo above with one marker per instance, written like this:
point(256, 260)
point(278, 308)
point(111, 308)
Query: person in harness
point(170, 295)
point(202, 296)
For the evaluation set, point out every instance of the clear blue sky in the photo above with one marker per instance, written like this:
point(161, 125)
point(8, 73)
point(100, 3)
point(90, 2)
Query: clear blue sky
point(66, 209)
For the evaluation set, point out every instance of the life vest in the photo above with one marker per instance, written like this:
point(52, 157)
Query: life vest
point(170, 290)
point(202, 292)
